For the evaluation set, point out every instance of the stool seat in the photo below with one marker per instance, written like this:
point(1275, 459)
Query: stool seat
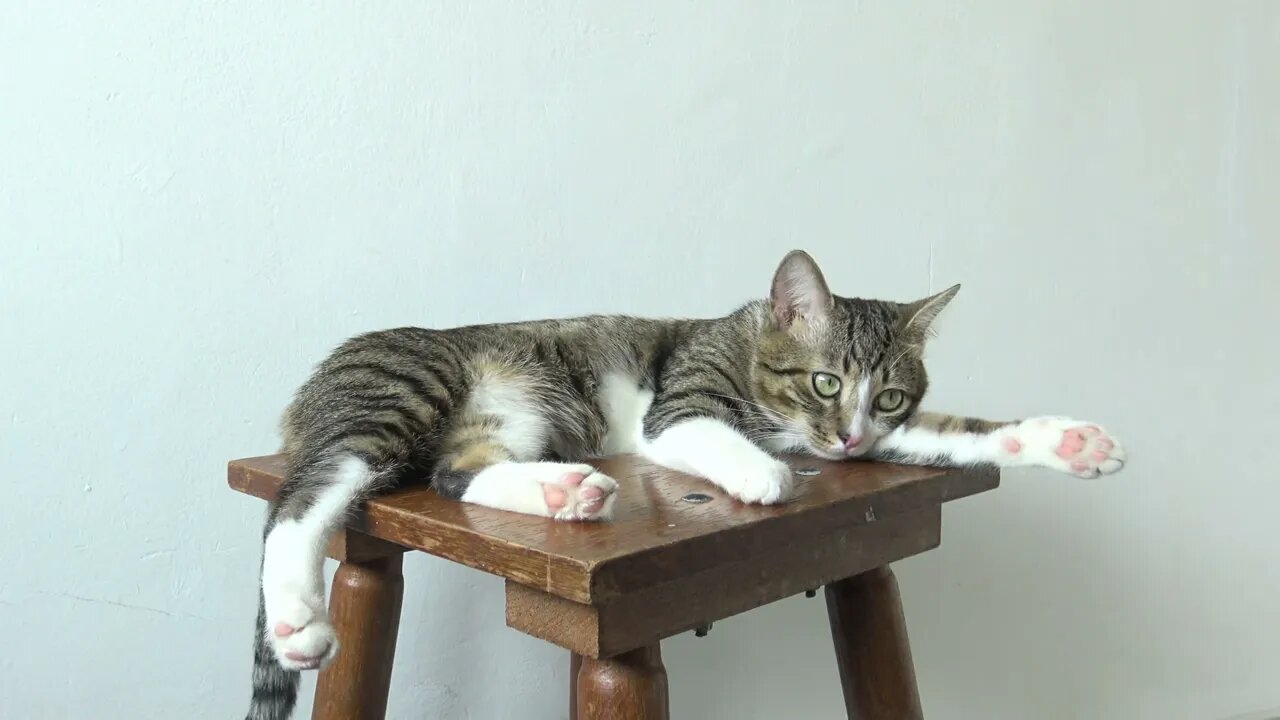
point(678, 554)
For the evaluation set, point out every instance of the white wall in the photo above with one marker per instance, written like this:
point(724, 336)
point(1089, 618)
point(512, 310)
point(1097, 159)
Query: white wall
point(197, 200)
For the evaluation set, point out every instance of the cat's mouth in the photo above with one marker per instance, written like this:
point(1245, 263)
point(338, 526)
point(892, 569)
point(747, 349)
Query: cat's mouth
point(833, 450)
point(829, 450)
point(857, 452)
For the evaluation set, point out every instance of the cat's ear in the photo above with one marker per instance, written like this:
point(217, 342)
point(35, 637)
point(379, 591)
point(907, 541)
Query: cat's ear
point(918, 316)
point(799, 291)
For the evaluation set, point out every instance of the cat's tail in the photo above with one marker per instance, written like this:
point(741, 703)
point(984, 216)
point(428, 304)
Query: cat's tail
point(275, 690)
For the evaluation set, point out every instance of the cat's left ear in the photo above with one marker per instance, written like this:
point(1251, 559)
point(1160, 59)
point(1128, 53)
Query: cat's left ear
point(918, 316)
point(799, 291)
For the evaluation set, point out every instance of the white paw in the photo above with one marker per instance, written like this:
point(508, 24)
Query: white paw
point(564, 491)
point(300, 633)
point(1079, 448)
point(765, 482)
point(298, 628)
point(578, 492)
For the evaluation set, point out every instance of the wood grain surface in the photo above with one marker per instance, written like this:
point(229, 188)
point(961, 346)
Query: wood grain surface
point(655, 536)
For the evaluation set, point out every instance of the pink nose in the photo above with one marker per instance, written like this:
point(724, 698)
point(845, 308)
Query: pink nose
point(851, 442)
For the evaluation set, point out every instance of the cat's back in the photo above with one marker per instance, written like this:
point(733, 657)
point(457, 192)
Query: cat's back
point(603, 337)
point(448, 361)
point(568, 366)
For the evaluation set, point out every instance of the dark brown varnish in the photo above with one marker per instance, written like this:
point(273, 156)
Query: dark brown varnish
point(630, 686)
point(872, 652)
point(365, 609)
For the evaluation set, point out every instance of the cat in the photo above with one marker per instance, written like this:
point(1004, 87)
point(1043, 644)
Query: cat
point(505, 415)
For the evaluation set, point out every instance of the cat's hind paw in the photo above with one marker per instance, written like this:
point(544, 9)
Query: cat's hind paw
point(1078, 448)
point(582, 493)
point(302, 638)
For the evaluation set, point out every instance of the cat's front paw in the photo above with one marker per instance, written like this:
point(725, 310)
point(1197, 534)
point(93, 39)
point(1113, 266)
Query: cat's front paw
point(764, 483)
point(1079, 448)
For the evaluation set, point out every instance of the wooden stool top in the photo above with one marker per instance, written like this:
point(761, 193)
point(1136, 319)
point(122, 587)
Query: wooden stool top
point(654, 535)
point(663, 564)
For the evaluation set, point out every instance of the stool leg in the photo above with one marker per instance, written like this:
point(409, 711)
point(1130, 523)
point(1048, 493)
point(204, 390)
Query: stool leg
point(575, 664)
point(365, 608)
point(630, 686)
point(872, 652)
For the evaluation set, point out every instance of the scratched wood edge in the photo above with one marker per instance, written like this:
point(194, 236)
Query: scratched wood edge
point(494, 555)
point(688, 602)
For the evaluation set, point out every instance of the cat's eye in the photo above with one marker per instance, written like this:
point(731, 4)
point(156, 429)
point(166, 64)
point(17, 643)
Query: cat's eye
point(826, 384)
point(890, 400)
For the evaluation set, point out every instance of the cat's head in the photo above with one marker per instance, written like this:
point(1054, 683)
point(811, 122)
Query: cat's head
point(843, 372)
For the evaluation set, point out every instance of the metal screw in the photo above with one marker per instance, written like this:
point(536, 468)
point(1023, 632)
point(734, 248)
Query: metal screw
point(807, 472)
point(696, 498)
point(702, 631)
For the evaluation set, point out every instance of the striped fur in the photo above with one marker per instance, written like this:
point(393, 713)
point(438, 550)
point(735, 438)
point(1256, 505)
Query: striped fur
point(498, 414)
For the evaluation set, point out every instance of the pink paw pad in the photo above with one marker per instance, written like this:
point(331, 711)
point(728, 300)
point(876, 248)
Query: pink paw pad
point(1011, 445)
point(592, 499)
point(555, 497)
point(1071, 445)
point(284, 629)
point(1088, 451)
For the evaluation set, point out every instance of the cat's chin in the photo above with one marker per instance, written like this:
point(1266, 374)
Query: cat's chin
point(839, 453)
point(828, 453)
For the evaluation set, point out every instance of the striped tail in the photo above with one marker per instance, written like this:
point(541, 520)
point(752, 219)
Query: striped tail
point(275, 690)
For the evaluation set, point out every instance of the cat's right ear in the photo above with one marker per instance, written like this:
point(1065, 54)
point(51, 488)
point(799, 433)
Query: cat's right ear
point(799, 292)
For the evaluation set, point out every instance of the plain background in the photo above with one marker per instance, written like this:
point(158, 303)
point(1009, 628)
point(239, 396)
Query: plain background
point(198, 200)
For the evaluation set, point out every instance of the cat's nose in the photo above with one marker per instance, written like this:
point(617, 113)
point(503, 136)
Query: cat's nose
point(851, 442)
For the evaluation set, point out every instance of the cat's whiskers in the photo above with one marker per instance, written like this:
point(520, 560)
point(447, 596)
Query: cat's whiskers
point(769, 412)
point(769, 426)
point(780, 427)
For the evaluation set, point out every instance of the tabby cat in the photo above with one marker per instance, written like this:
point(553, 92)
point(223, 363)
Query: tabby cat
point(506, 415)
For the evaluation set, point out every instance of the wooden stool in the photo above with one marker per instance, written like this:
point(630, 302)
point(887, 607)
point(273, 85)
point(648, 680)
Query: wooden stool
point(678, 555)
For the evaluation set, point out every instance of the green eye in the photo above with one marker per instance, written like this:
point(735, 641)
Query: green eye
point(826, 384)
point(890, 400)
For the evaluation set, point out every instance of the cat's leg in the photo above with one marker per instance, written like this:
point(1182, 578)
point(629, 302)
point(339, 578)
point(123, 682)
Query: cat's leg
point(491, 456)
point(1071, 446)
point(353, 430)
point(315, 500)
point(564, 491)
point(711, 448)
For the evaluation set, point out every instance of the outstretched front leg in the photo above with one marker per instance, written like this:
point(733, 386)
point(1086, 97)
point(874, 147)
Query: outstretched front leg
point(1071, 446)
point(690, 428)
point(713, 449)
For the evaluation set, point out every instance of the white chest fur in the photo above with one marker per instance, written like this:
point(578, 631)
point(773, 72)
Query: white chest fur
point(624, 404)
